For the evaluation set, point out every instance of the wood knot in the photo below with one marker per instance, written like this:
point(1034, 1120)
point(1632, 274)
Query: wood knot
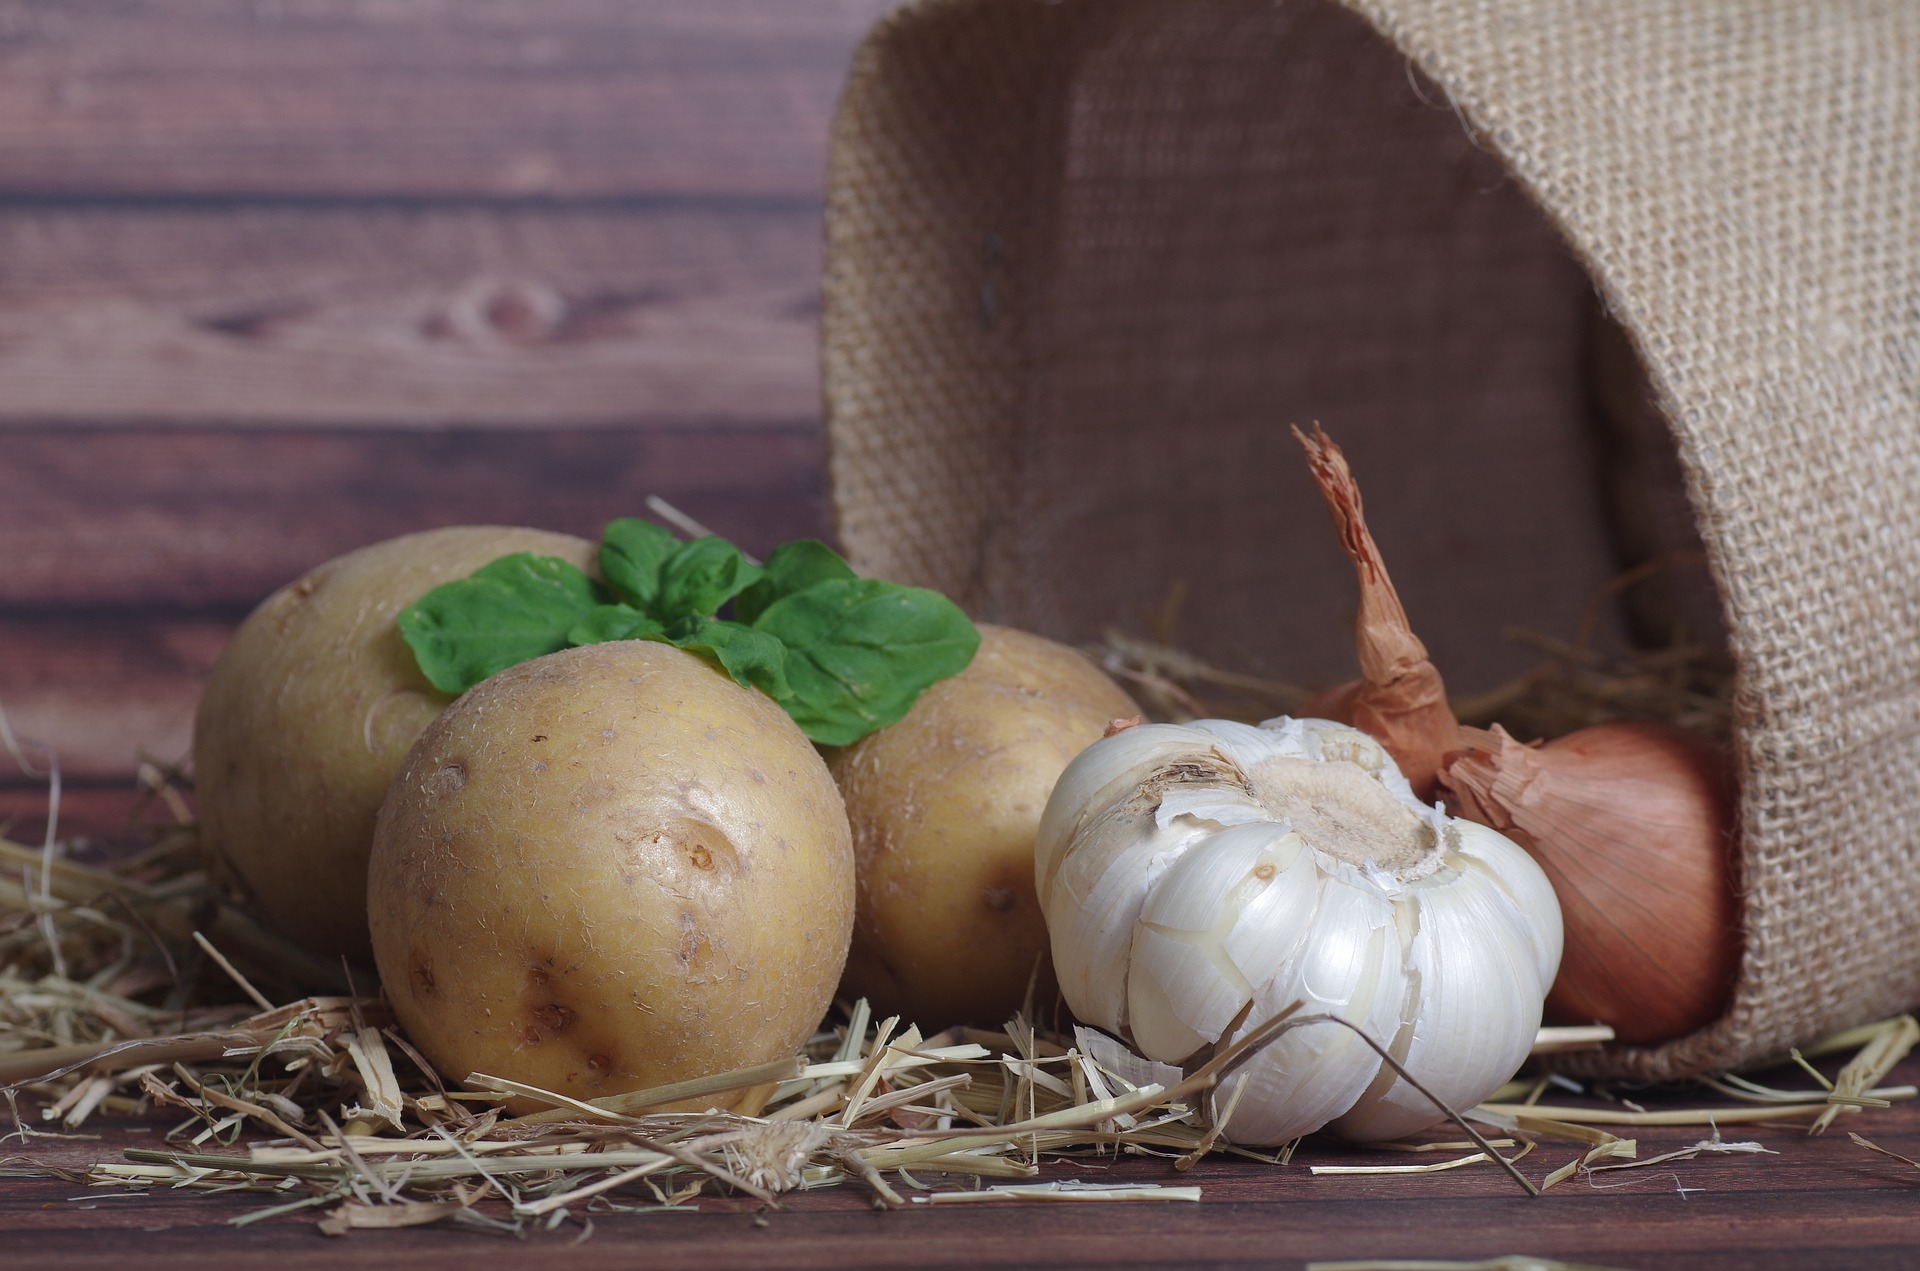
point(502, 311)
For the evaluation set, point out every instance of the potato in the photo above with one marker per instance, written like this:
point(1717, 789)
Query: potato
point(611, 868)
point(309, 714)
point(944, 807)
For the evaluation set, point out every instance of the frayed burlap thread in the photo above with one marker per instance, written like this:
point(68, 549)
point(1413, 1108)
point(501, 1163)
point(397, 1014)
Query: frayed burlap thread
point(1739, 183)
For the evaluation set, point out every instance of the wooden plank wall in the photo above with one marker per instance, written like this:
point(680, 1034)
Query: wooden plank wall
point(279, 278)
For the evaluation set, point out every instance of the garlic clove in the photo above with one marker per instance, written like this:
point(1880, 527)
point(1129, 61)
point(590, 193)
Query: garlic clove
point(1251, 743)
point(1093, 902)
point(1185, 989)
point(1351, 968)
point(1170, 982)
point(1471, 1012)
point(1099, 777)
point(1275, 924)
point(1507, 866)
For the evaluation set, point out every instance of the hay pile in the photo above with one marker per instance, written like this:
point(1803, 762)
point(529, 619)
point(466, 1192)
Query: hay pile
point(135, 985)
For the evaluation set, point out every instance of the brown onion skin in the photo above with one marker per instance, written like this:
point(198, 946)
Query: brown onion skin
point(1399, 699)
point(1633, 824)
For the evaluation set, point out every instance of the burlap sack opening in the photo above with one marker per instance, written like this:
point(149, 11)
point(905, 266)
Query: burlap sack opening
point(1086, 260)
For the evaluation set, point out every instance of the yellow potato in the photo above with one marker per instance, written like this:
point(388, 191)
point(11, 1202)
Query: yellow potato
point(607, 869)
point(310, 712)
point(944, 807)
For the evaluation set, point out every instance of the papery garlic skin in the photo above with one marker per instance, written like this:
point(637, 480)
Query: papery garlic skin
point(1198, 879)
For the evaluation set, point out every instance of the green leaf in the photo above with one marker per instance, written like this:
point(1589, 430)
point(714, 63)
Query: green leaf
point(752, 658)
point(845, 655)
point(516, 608)
point(700, 577)
point(861, 650)
point(612, 622)
point(631, 553)
point(793, 567)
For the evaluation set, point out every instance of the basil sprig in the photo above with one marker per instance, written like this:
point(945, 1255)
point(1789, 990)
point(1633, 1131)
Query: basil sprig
point(844, 655)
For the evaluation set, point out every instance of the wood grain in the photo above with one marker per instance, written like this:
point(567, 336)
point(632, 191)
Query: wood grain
point(103, 696)
point(208, 521)
point(127, 556)
point(96, 820)
point(279, 278)
point(439, 99)
point(560, 317)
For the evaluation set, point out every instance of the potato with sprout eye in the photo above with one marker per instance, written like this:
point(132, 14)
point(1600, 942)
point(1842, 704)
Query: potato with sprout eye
point(610, 868)
point(944, 807)
point(310, 712)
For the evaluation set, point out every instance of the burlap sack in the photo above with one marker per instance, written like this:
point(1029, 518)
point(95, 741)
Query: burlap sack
point(1087, 258)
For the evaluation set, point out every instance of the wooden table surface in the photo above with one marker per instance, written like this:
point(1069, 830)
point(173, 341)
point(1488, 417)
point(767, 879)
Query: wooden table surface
point(279, 278)
point(1821, 1203)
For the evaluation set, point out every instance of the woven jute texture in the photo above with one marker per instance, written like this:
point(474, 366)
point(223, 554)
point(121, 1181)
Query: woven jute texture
point(1087, 258)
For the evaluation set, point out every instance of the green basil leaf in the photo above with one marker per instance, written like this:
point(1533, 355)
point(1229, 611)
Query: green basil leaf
point(516, 608)
point(861, 650)
point(612, 622)
point(631, 553)
point(792, 567)
point(700, 577)
point(753, 658)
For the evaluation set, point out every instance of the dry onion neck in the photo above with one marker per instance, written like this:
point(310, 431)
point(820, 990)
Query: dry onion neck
point(1400, 698)
point(1632, 822)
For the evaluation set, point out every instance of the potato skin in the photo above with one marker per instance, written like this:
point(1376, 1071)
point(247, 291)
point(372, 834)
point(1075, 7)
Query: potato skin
point(945, 805)
point(308, 715)
point(610, 868)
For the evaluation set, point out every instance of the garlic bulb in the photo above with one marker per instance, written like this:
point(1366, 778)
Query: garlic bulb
point(1198, 879)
